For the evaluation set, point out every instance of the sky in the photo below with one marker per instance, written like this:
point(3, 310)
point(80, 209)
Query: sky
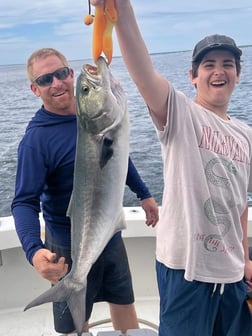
point(166, 25)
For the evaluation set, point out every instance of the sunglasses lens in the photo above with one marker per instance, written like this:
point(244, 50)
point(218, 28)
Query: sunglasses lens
point(62, 73)
point(44, 80)
point(47, 79)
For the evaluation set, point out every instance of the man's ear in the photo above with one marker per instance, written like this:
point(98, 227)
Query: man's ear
point(193, 79)
point(35, 89)
point(72, 73)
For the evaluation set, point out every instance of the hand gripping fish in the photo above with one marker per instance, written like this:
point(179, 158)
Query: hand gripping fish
point(101, 164)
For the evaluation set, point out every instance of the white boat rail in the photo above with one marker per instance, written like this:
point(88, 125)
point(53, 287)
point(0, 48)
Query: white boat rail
point(135, 218)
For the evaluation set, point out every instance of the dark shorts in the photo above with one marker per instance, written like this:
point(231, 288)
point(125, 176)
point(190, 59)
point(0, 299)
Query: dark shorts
point(108, 280)
point(194, 308)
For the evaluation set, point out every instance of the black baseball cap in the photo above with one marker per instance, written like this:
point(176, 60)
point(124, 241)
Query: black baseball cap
point(215, 42)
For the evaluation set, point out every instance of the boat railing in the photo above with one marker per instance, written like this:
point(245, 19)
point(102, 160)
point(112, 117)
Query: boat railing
point(135, 219)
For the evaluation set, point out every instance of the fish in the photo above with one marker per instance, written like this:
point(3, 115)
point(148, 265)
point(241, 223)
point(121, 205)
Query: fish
point(100, 171)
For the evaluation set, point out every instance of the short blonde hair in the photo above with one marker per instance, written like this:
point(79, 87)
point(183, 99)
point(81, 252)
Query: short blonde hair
point(40, 54)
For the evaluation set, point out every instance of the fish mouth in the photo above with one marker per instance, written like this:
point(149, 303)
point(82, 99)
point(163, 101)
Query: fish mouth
point(94, 73)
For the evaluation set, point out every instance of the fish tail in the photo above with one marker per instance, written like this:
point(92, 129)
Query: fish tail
point(76, 301)
point(77, 305)
point(57, 293)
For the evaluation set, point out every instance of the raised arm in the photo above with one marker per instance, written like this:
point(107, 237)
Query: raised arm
point(152, 86)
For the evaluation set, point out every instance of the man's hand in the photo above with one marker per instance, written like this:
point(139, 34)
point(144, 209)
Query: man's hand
point(248, 274)
point(151, 210)
point(44, 263)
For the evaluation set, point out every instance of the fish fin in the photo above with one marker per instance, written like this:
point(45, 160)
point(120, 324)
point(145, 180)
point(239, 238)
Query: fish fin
point(106, 151)
point(120, 222)
point(76, 301)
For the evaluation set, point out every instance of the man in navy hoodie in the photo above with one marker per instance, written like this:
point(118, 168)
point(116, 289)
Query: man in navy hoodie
point(44, 181)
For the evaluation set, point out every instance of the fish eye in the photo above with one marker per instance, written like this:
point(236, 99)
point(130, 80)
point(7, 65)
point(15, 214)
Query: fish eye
point(85, 89)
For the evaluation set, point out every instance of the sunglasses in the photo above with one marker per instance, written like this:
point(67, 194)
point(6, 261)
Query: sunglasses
point(47, 79)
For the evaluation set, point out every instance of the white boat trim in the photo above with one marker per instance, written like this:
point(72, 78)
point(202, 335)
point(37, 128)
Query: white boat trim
point(135, 217)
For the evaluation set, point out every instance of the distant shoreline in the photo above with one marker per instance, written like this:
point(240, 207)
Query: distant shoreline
point(154, 53)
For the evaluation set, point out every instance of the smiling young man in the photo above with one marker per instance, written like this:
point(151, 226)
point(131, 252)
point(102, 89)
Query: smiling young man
point(201, 251)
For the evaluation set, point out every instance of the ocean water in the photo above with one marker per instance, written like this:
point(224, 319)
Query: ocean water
point(18, 104)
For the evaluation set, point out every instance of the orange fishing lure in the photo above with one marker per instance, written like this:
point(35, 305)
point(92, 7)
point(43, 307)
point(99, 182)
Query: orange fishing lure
point(104, 19)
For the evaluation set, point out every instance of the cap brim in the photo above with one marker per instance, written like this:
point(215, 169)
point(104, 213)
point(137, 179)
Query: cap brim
point(236, 51)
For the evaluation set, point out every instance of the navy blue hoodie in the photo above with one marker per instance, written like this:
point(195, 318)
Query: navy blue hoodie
point(45, 177)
